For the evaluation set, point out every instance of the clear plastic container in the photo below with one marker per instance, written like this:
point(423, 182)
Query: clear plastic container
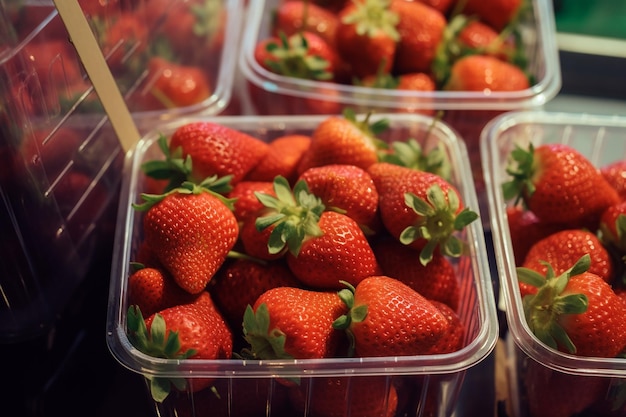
point(424, 384)
point(466, 111)
point(538, 373)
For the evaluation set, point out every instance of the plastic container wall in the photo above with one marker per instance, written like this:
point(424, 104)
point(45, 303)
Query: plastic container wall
point(539, 374)
point(425, 385)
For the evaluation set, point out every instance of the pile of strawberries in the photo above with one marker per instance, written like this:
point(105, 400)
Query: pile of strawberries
point(330, 245)
point(569, 239)
point(422, 45)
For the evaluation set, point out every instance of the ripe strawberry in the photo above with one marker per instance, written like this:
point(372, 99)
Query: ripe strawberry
point(420, 209)
point(388, 318)
point(120, 36)
point(55, 63)
point(195, 330)
point(282, 158)
point(290, 322)
point(435, 281)
point(190, 230)
point(613, 227)
point(170, 85)
point(246, 203)
point(294, 16)
point(442, 5)
point(344, 140)
point(341, 253)
point(497, 13)
point(525, 230)
point(153, 290)
point(615, 174)
point(369, 396)
point(240, 282)
point(421, 30)
point(412, 154)
point(559, 185)
point(453, 339)
point(256, 242)
point(562, 249)
point(485, 73)
point(414, 81)
point(217, 150)
point(575, 312)
point(347, 189)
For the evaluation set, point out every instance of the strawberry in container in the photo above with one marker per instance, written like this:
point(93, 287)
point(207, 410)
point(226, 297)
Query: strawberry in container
point(298, 265)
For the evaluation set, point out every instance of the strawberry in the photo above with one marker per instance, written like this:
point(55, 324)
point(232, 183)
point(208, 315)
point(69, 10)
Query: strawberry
point(258, 243)
point(344, 140)
point(369, 396)
point(347, 189)
point(153, 289)
point(421, 209)
point(367, 36)
point(412, 154)
point(190, 230)
point(435, 281)
point(388, 318)
point(290, 322)
point(442, 5)
point(295, 16)
point(575, 312)
point(217, 150)
point(240, 282)
point(615, 174)
point(559, 185)
point(453, 339)
point(485, 73)
point(562, 249)
point(195, 331)
point(613, 226)
point(246, 204)
point(120, 37)
point(49, 149)
point(497, 13)
point(525, 230)
point(55, 63)
point(282, 158)
point(170, 85)
point(421, 29)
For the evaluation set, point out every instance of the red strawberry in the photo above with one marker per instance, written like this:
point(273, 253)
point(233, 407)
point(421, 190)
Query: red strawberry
point(246, 203)
point(295, 16)
point(190, 230)
point(341, 253)
point(289, 322)
point(415, 81)
point(485, 73)
point(613, 226)
point(218, 150)
point(195, 330)
point(354, 396)
point(454, 338)
point(170, 85)
point(442, 5)
point(241, 281)
point(388, 318)
point(258, 242)
point(420, 209)
point(347, 189)
point(421, 30)
point(367, 36)
point(559, 185)
point(563, 248)
point(435, 281)
point(525, 230)
point(497, 13)
point(344, 140)
point(120, 36)
point(615, 174)
point(575, 312)
point(153, 290)
point(282, 158)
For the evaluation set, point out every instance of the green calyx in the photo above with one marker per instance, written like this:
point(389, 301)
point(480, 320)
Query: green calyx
point(214, 185)
point(371, 17)
point(367, 127)
point(294, 215)
point(437, 222)
point(410, 154)
point(265, 343)
point(543, 309)
point(291, 58)
point(174, 167)
point(208, 18)
point(521, 169)
point(354, 315)
point(155, 343)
